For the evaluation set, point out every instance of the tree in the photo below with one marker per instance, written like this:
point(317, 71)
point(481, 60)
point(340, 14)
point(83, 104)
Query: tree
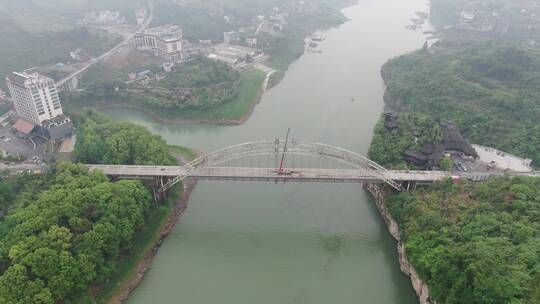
point(447, 164)
point(52, 249)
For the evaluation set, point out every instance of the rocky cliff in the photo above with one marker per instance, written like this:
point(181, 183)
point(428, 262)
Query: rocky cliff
point(420, 287)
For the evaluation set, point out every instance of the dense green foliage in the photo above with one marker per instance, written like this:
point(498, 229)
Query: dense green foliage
point(100, 140)
point(21, 188)
point(474, 242)
point(69, 237)
point(491, 92)
point(230, 99)
point(415, 130)
point(249, 90)
point(201, 83)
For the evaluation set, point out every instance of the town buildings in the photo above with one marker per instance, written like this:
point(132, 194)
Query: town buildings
point(37, 103)
point(165, 41)
point(104, 17)
point(230, 37)
point(233, 54)
point(34, 96)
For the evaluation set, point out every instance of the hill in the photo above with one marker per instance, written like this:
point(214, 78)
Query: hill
point(490, 91)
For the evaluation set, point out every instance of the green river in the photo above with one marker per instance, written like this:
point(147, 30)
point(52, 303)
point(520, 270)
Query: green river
point(266, 243)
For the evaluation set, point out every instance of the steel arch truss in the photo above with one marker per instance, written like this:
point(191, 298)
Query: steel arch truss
point(242, 153)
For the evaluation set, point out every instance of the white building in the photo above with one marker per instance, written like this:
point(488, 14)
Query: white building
point(230, 37)
point(166, 42)
point(34, 96)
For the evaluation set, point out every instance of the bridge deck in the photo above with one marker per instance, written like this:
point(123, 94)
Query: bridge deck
point(244, 173)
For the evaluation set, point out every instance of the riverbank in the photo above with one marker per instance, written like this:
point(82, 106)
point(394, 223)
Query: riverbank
point(146, 243)
point(420, 287)
point(234, 112)
point(135, 277)
point(235, 229)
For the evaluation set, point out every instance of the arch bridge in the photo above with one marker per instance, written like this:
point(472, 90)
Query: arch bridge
point(279, 161)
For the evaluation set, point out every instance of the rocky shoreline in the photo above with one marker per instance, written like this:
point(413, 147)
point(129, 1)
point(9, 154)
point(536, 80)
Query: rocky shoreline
point(420, 287)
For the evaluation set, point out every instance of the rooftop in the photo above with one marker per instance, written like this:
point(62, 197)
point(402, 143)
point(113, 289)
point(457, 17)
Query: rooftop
point(27, 77)
point(164, 30)
point(22, 126)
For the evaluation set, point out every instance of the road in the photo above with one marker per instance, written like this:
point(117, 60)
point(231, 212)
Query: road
point(114, 49)
point(14, 145)
point(22, 167)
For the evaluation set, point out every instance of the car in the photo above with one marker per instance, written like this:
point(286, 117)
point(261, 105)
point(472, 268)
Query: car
point(7, 139)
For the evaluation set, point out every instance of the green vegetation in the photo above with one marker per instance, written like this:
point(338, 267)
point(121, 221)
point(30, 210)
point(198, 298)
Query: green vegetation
point(490, 91)
point(447, 164)
point(414, 131)
point(249, 88)
point(201, 89)
point(19, 49)
point(186, 153)
point(70, 237)
point(474, 242)
point(19, 190)
point(36, 32)
point(201, 83)
point(143, 242)
point(100, 140)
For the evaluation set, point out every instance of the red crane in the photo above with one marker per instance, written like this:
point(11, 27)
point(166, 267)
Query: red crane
point(282, 164)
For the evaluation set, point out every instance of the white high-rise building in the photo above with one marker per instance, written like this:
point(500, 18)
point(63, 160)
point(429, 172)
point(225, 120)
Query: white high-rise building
point(166, 41)
point(34, 96)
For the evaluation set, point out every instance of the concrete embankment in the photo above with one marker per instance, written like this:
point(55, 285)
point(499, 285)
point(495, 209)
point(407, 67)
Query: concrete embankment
point(420, 287)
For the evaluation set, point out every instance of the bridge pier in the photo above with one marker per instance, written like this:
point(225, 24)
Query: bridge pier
point(155, 184)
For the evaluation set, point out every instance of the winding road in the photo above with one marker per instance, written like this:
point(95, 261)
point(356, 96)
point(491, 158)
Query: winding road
point(113, 50)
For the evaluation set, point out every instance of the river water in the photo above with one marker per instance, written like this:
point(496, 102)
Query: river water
point(266, 243)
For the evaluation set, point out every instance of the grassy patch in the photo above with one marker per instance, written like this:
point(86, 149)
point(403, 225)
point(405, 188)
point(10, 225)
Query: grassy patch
point(250, 85)
point(275, 79)
point(185, 152)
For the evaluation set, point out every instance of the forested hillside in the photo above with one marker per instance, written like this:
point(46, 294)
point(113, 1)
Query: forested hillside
point(100, 140)
point(474, 243)
point(71, 230)
point(490, 91)
point(53, 248)
point(412, 133)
